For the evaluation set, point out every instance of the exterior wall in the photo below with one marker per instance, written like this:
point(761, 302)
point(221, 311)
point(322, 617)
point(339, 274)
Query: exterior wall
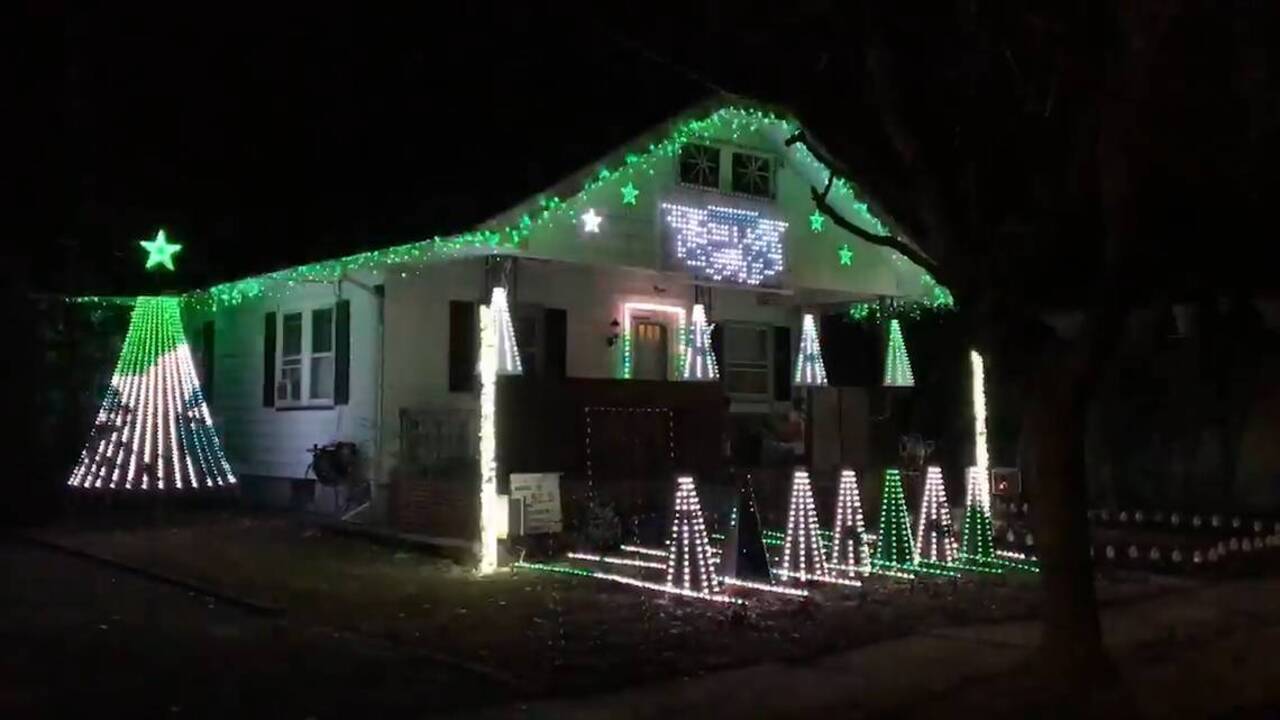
point(273, 442)
point(417, 344)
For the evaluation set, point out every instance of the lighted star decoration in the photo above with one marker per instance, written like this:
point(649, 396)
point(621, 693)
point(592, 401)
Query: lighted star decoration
point(816, 221)
point(846, 255)
point(160, 250)
point(591, 221)
point(629, 194)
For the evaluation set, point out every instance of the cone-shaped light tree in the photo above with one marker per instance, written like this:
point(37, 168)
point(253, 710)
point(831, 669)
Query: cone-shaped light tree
point(894, 548)
point(744, 556)
point(897, 365)
point(810, 372)
point(154, 431)
point(504, 334)
point(699, 361)
point(801, 551)
point(689, 563)
point(849, 534)
point(935, 535)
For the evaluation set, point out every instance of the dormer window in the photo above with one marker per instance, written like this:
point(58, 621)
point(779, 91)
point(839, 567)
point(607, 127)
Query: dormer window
point(752, 175)
point(700, 165)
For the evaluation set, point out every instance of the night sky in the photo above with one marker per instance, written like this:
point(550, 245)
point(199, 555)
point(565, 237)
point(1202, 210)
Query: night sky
point(265, 144)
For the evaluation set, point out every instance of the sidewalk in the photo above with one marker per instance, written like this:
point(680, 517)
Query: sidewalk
point(1202, 652)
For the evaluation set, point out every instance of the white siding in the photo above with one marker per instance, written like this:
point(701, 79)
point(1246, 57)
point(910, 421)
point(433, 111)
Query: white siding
point(272, 442)
point(417, 342)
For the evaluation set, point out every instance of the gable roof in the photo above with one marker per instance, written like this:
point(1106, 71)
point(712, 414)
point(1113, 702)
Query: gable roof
point(506, 232)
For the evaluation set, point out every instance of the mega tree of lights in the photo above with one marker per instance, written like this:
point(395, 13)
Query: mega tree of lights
point(153, 431)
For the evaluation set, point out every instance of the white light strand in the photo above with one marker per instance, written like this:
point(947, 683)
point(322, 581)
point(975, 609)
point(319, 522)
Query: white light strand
point(726, 244)
point(935, 536)
point(829, 579)
point(667, 588)
point(779, 589)
point(612, 560)
point(488, 555)
point(849, 534)
point(981, 456)
point(641, 550)
point(810, 372)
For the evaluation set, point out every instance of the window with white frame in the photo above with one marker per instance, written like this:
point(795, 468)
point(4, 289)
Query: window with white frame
point(305, 351)
point(746, 360)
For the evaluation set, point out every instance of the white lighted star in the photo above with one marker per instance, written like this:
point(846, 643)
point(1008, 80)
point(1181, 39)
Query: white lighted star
point(591, 221)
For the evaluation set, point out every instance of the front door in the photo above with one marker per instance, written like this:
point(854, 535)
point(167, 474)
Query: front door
point(649, 350)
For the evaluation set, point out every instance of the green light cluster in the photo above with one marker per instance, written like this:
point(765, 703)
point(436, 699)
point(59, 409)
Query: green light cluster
point(843, 189)
point(937, 298)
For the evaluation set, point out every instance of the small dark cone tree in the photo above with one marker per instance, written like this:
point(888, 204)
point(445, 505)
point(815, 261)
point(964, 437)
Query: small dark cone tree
point(744, 556)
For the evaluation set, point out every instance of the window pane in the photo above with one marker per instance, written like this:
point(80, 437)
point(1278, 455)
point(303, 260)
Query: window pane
point(290, 385)
point(322, 330)
point(322, 378)
point(752, 174)
point(700, 165)
point(292, 334)
point(745, 344)
point(746, 382)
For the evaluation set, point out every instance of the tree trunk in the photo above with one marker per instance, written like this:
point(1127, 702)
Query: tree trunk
point(1075, 663)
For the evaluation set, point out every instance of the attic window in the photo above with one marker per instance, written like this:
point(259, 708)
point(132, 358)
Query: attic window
point(700, 165)
point(753, 174)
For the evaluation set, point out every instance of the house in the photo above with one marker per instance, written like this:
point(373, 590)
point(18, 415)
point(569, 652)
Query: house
point(602, 271)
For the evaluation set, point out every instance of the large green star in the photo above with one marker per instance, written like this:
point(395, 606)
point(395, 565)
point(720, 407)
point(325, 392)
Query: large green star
point(846, 255)
point(816, 220)
point(161, 251)
point(629, 194)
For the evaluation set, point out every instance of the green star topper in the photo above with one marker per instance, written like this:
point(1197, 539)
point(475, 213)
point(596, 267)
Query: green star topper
point(846, 254)
point(160, 251)
point(629, 194)
point(816, 220)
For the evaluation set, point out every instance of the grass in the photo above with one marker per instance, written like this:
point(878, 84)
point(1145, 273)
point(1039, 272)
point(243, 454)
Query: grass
point(547, 633)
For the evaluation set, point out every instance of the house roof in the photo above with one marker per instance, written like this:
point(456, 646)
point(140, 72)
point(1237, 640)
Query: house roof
point(506, 231)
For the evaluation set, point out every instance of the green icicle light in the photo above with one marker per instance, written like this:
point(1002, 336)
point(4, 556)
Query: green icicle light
point(894, 548)
point(153, 430)
point(897, 365)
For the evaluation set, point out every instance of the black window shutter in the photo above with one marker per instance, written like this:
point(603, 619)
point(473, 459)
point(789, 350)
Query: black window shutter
point(717, 346)
point(781, 363)
point(462, 346)
point(206, 357)
point(556, 333)
point(269, 360)
point(342, 352)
